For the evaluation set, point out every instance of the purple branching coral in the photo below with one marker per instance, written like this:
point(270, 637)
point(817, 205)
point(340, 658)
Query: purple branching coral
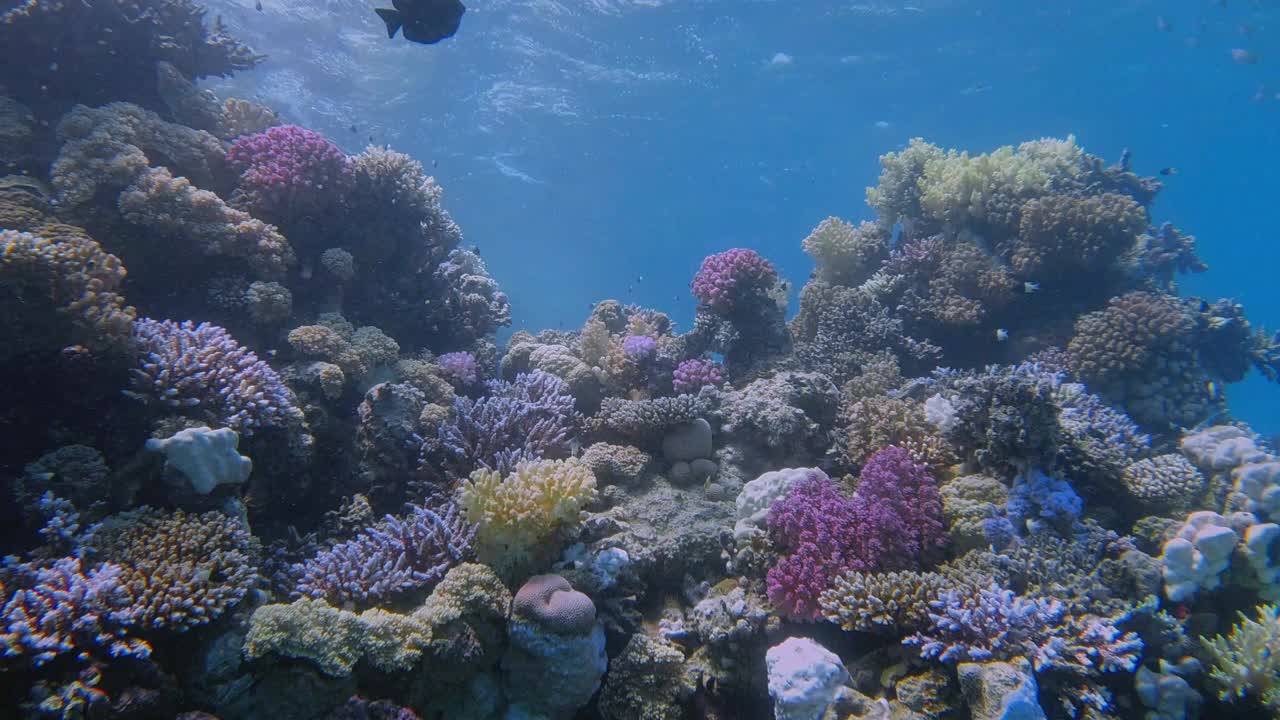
point(459, 368)
point(201, 368)
point(901, 511)
point(690, 376)
point(528, 419)
point(996, 624)
point(729, 278)
point(893, 522)
point(64, 609)
point(394, 556)
point(286, 169)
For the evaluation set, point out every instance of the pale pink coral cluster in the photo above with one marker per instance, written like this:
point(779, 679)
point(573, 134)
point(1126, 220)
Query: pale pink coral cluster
point(725, 279)
point(287, 165)
point(692, 375)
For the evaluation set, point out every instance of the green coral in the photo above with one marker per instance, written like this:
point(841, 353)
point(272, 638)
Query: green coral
point(845, 254)
point(451, 626)
point(1246, 663)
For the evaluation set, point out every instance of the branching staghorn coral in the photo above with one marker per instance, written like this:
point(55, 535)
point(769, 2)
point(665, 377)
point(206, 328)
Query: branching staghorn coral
point(200, 368)
point(1246, 663)
point(527, 419)
point(66, 608)
point(178, 570)
point(392, 557)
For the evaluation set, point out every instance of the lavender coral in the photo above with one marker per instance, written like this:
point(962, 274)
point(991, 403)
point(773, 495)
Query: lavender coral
point(459, 368)
point(996, 624)
point(286, 169)
point(65, 608)
point(690, 376)
point(394, 556)
point(532, 417)
point(728, 279)
point(201, 368)
point(640, 349)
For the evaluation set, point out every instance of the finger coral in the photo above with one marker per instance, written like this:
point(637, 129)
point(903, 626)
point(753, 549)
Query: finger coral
point(1246, 662)
point(286, 170)
point(845, 254)
point(1067, 234)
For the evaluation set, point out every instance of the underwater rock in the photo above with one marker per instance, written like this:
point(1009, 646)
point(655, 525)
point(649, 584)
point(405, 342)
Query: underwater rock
point(1000, 690)
point(644, 682)
point(803, 679)
point(557, 658)
point(207, 458)
point(1167, 695)
point(688, 441)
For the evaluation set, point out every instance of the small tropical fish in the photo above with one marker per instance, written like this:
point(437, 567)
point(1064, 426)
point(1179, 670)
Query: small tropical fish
point(1030, 287)
point(1163, 25)
point(1260, 95)
point(1168, 171)
point(1001, 334)
point(423, 21)
point(1245, 29)
point(1213, 389)
point(258, 6)
point(1244, 57)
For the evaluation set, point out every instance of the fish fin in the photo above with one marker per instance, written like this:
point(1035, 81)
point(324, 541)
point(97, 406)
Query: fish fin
point(391, 18)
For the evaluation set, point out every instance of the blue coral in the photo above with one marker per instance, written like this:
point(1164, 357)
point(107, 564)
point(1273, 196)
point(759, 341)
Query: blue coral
point(996, 624)
point(63, 609)
point(1038, 501)
point(202, 369)
point(528, 419)
point(394, 556)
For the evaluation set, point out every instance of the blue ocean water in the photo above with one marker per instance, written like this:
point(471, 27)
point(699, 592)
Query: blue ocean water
point(601, 148)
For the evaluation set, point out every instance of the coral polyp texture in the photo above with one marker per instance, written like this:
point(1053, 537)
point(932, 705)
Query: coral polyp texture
point(287, 169)
point(987, 469)
point(729, 279)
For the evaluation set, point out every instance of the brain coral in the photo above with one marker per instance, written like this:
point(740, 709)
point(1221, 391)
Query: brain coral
point(551, 601)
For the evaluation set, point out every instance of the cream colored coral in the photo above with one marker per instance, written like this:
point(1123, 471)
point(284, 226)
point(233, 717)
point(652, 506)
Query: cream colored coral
point(517, 514)
point(845, 254)
point(1246, 663)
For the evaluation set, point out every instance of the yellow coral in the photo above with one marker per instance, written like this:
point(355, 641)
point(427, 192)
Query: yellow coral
point(846, 254)
point(1246, 663)
point(518, 515)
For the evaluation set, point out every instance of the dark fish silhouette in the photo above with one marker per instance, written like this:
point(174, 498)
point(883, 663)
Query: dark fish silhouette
point(1169, 171)
point(423, 21)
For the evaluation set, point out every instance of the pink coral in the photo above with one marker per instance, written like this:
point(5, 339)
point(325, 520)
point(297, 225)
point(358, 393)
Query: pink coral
point(690, 376)
point(893, 522)
point(728, 278)
point(287, 166)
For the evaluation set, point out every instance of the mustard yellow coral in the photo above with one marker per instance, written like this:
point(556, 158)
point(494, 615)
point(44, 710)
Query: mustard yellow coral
point(518, 515)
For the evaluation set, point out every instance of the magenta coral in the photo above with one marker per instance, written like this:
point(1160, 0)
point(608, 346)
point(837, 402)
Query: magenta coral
point(814, 527)
point(287, 166)
point(901, 511)
point(726, 279)
point(690, 376)
point(893, 522)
